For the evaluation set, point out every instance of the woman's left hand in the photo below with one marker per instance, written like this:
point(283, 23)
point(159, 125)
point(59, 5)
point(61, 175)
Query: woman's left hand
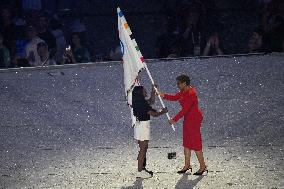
point(158, 93)
point(154, 88)
point(172, 122)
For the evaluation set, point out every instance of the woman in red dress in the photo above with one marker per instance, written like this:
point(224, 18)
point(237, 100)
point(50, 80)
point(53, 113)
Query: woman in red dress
point(192, 122)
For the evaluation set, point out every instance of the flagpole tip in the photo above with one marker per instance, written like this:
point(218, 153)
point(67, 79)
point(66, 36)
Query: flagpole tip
point(119, 12)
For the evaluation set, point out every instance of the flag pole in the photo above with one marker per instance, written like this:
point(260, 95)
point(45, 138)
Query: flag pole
point(163, 105)
point(137, 54)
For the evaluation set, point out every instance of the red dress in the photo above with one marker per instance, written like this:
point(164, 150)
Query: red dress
point(192, 118)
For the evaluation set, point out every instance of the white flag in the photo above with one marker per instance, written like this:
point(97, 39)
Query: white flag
point(133, 61)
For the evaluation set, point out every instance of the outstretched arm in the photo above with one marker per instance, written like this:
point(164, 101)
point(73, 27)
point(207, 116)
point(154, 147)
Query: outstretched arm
point(171, 97)
point(192, 99)
point(184, 110)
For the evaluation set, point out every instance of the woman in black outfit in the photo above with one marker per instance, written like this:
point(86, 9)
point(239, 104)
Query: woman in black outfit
point(142, 111)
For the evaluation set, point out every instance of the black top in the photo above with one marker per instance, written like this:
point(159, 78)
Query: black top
point(141, 109)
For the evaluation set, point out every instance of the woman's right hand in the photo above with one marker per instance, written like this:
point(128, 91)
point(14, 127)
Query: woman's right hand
point(158, 93)
point(161, 94)
point(165, 110)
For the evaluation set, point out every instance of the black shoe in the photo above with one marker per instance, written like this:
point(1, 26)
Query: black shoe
point(150, 172)
point(184, 170)
point(201, 173)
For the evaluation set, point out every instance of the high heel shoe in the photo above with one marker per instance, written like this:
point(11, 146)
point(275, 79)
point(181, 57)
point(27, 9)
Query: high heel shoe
point(150, 172)
point(200, 173)
point(184, 170)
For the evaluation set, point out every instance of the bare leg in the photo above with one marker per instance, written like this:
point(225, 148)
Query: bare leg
point(187, 156)
point(199, 155)
point(143, 145)
point(145, 159)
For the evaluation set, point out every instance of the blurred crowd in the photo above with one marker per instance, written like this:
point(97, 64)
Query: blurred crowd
point(187, 35)
point(30, 36)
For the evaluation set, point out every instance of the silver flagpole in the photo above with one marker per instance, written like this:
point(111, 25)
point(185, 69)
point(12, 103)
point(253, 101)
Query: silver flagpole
point(163, 105)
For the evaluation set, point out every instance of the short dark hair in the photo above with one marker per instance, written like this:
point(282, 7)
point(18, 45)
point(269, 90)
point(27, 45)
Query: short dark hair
point(183, 78)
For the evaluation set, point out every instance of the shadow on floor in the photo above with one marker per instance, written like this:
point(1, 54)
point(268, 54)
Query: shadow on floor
point(188, 184)
point(136, 185)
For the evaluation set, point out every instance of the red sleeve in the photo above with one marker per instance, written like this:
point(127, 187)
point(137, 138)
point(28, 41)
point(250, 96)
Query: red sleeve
point(191, 99)
point(172, 97)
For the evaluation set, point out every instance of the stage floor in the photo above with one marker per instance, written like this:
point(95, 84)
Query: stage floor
point(69, 126)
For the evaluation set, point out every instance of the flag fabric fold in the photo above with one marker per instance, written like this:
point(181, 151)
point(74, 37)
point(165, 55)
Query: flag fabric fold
point(133, 61)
